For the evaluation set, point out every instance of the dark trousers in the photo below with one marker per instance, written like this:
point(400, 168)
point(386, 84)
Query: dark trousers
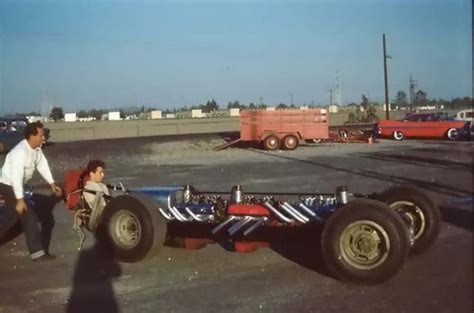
point(9, 217)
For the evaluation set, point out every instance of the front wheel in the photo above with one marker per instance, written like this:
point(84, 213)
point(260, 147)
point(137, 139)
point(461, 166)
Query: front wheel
point(133, 227)
point(365, 242)
point(398, 135)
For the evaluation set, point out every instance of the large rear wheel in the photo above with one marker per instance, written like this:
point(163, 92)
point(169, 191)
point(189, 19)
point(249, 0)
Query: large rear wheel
point(365, 242)
point(421, 215)
point(134, 227)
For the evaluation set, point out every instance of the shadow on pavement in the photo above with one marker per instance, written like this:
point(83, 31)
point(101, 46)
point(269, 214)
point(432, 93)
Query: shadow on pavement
point(300, 245)
point(92, 289)
point(457, 217)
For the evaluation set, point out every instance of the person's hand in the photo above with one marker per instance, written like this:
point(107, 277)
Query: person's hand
point(21, 206)
point(56, 190)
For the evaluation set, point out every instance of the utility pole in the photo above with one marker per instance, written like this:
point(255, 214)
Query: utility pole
point(412, 92)
point(385, 57)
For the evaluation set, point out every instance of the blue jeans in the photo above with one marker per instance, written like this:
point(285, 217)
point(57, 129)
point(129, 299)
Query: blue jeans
point(9, 217)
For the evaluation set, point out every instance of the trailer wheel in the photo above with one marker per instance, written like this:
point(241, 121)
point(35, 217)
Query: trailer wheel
point(398, 135)
point(271, 143)
point(452, 134)
point(134, 228)
point(290, 142)
point(419, 213)
point(365, 242)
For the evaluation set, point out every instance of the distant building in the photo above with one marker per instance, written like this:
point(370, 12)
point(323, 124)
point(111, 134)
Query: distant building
point(156, 114)
point(270, 108)
point(70, 117)
point(170, 115)
point(303, 107)
point(234, 112)
point(197, 113)
point(114, 116)
point(333, 108)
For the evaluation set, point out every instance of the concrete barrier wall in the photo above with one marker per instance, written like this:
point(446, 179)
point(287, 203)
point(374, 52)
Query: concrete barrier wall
point(75, 131)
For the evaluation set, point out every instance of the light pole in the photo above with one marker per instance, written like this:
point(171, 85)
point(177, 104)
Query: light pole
point(385, 57)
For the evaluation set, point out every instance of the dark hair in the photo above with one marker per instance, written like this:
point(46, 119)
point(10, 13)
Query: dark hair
point(91, 167)
point(31, 129)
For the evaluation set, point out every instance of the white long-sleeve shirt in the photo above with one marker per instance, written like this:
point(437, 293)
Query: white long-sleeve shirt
point(20, 165)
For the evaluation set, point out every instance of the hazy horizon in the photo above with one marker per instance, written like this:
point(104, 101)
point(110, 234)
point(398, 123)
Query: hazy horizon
point(170, 54)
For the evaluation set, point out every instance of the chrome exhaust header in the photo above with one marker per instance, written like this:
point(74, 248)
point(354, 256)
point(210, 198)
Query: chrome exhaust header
point(255, 225)
point(278, 214)
point(237, 226)
point(303, 218)
point(223, 223)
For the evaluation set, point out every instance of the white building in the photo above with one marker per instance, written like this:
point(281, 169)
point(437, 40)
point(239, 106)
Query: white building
point(197, 113)
point(114, 116)
point(303, 107)
point(234, 112)
point(170, 115)
point(156, 114)
point(333, 109)
point(270, 109)
point(70, 117)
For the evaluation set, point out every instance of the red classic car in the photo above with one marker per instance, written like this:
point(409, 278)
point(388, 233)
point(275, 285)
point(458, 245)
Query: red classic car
point(422, 125)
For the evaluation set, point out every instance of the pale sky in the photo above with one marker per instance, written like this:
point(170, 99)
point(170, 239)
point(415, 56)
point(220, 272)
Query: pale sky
point(166, 54)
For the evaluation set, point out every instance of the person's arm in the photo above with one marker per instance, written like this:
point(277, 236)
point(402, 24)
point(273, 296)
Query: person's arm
point(17, 172)
point(43, 168)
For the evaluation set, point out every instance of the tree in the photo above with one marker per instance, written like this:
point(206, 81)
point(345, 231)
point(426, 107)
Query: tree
point(401, 99)
point(282, 106)
point(420, 98)
point(82, 114)
point(56, 113)
point(211, 106)
point(233, 105)
point(365, 102)
point(252, 106)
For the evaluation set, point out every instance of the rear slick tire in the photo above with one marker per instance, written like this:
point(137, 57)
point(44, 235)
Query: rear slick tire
point(364, 242)
point(133, 227)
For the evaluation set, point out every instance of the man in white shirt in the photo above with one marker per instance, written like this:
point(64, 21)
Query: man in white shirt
point(17, 170)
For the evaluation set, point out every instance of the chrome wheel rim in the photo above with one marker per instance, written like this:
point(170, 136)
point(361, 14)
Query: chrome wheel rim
point(364, 245)
point(398, 135)
point(412, 215)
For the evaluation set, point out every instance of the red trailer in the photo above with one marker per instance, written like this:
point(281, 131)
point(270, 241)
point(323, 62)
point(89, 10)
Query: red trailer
point(283, 128)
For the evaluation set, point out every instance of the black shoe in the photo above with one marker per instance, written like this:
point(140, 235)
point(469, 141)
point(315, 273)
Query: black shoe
point(45, 257)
